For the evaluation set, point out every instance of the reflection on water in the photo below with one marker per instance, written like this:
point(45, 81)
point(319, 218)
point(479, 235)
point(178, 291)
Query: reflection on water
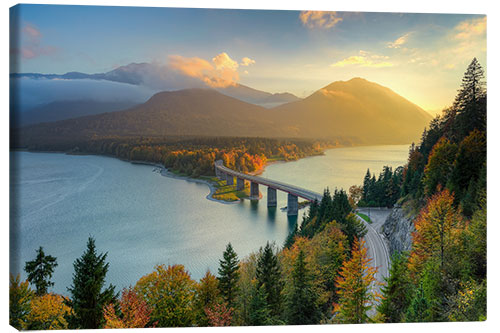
point(142, 219)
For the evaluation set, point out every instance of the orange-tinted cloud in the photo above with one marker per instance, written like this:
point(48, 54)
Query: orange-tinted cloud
point(398, 42)
point(247, 61)
point(221, 72)
point(31, 44)
point(471, 28)
point(319, 19)
point(364, 59)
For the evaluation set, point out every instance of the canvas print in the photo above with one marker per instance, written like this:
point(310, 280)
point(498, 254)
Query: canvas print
point(183, 167)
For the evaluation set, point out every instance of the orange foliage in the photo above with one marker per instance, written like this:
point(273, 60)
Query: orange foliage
point(436, 228)
point(219, 315)
point(48, 312)
point(136, 312)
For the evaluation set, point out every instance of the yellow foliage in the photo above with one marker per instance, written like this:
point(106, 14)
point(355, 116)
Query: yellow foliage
point(48, 312)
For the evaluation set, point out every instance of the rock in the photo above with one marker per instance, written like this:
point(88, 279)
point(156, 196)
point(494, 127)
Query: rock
point(398, 228)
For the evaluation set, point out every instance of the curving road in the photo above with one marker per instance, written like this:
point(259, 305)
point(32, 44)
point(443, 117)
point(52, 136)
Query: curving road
point(377, 248)
point(292, 189)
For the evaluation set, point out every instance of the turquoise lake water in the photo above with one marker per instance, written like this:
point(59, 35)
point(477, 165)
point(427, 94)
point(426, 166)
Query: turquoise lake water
point(142, 219)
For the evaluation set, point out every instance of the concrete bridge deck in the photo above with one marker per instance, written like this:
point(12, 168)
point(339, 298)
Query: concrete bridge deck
point(294, 192)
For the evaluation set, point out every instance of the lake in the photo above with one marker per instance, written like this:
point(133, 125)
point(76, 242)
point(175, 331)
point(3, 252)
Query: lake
point(142, 219)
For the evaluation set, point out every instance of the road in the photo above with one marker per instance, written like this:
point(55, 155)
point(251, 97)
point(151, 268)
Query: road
point(375, 242)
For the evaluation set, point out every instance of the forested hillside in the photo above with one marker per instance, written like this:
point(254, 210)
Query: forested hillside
point(443, 277)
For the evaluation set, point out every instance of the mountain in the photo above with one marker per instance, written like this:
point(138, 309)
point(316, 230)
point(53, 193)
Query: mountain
point(258, 97)
point(60, 110)
point(200, 112)
point(356, 108)
point(362, 111)
point(161, 78)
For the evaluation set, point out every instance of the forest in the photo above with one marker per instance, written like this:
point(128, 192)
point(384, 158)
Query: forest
point(194, 156)
point(321, 274)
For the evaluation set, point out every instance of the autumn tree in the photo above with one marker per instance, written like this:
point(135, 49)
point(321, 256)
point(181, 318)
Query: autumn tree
point(169, 291)
point(207, 296)
point(48, 312)
point(228, 275)
point(302, 307)
point(268, 275)
point(355, 195)
point(40, 271)
point(435, 230)
point(88, 295)
point(218, 314)
point(135, 313)
point(353, 283)
point(20, 296)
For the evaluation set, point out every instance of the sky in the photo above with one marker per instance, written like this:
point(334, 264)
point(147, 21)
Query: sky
point(420, 56)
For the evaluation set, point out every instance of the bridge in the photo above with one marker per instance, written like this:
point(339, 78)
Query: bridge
point(294, 192)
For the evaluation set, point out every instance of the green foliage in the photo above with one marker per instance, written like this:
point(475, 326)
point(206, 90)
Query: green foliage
point(440, 165)
point(419, 309)
point(88, 295)
point(397, 290)
point(40, 271)
point(302, 307)
point(20, 296)
point(259, 312)
point(170, 293)
point(268, 275)
point(207, 295)
point(228, 275)
point(384, 191)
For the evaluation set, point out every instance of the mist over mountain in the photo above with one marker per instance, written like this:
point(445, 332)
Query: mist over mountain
point(157, 77)
point(362, 111)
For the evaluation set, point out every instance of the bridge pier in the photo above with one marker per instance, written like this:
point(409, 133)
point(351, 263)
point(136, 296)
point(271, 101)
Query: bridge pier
point(271, 197)
point(292, 205)
point(229, 179)
point(240, 184)
point(254, 190)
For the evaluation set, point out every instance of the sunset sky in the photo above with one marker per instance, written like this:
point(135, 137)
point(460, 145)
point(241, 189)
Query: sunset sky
point(420, 56)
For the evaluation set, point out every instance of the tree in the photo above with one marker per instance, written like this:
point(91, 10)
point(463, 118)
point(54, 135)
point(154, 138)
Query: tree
point(470, 102)
point(302, 307)
point(268, 275)
point(135, 311)
point(440, 165)
point(207, 296)
point(169, 292)
point(48, 312)
point(40, 271)
point(88, 295)
point(355, 195)
point(397, 291)
point(20, 296)
point(219, 315)
point(435, 231)
point(228, 275)
point(259, 312)
point(419, 308)
point(353, 283)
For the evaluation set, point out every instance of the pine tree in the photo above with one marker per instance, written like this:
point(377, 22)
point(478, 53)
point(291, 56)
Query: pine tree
point(88, 297)
point(353, 283)
point(40, 271)
point(268, 275)
point(302, 307)
point(259, 313)
point(396, 292)
point(419, 309)
point(470, 102)
point(228, 275)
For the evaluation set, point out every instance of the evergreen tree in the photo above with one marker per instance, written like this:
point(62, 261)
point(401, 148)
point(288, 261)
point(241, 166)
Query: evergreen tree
point(259, 313)
point(40, 271)
point(396, 292)
point(302, 307)
point(268, 274)
point(228, 275)
point(419, 309)
point(290, 239)
point(88, 297)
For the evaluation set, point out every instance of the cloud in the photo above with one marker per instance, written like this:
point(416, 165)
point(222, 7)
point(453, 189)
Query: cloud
point(31, 45)
point(319, 19)
point(398, 42)
point(364, 59)
point(247, 61)
point(471, 28)
point(221, 72)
